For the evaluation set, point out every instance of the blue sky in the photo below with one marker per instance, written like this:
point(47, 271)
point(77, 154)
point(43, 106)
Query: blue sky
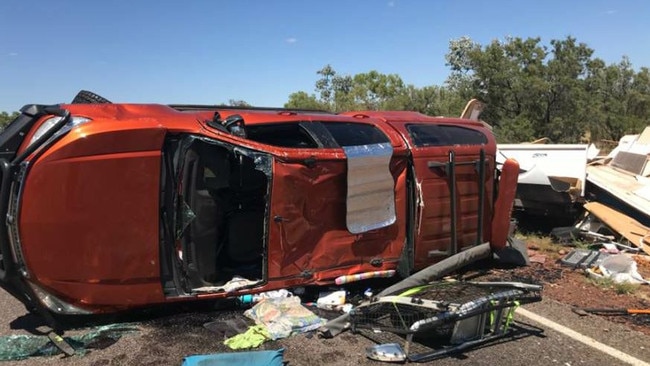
point(208, 52)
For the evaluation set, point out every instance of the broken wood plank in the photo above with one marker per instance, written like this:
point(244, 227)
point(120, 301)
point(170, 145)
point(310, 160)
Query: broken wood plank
point(632, 230)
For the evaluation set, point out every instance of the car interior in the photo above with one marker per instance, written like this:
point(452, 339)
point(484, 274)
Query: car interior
point(224, 199)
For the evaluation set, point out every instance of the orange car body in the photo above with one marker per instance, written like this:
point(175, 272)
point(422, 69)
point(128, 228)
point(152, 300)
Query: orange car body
point(118, 206)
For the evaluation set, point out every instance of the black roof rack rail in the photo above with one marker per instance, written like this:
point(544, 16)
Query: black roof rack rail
point(201, 107)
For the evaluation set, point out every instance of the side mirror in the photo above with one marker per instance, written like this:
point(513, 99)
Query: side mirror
point(216, 122)
point(235, 125)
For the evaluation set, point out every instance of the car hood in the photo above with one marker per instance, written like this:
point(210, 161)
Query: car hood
point(90, 220)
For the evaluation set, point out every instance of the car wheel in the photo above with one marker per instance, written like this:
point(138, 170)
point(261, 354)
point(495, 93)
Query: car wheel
point(86, 97)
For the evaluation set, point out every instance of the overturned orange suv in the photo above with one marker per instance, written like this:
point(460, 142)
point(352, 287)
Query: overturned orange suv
point(108, 207)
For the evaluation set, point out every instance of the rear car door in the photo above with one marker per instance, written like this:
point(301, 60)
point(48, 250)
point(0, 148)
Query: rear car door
point(312, 234)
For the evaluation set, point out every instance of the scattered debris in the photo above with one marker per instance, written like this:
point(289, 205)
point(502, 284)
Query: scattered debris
point(364, 276)
point(621, 181)
point(19, 347)
point(537, 258)
point(331, 300)
point(251, 358)
point(60, 343)
point(583, 258)
point(552, 176)
point(463, 314)
point(283, 317)
point(253, 337)
point(586, 311)
point(236, 283)
point(600, 215)
point(390, 352)
point(619, 268)
point(255, 298)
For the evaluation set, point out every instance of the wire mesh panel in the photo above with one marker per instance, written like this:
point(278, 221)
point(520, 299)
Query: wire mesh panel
point(438, 306)
point(458, 314)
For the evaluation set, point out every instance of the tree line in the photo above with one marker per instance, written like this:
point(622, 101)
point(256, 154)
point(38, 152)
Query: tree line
point(531, 90)
point(5, 118)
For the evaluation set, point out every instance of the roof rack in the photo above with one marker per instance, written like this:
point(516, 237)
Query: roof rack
point(201, 107)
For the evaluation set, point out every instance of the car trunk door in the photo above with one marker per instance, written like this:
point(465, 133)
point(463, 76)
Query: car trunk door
point(453, 194)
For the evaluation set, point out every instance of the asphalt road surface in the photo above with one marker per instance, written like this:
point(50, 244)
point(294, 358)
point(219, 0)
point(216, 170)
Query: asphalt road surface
point(166, 338)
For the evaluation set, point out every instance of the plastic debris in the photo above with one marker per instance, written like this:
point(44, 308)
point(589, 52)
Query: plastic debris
point(255, 298)
point(619, 268)
point(390, 352)
point(331, 300)
point(251, 358)
point(234, 284)
point(364, 276)
point(583, 258)
point(253, 337)
point(284, 317)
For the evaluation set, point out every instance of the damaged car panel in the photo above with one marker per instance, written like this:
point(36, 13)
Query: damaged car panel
point(454, 182)
point(118, 206)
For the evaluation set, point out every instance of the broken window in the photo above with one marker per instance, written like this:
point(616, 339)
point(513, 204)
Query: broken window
point(281, 134)
point(355, 134)
point(424, 135)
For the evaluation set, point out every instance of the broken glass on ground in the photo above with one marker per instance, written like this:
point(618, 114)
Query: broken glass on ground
point(22, 346)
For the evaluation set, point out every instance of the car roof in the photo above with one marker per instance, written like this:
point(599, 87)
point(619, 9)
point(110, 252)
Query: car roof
point(163, 113)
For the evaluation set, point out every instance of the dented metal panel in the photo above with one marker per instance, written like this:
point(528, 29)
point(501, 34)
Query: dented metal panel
point(370, 187)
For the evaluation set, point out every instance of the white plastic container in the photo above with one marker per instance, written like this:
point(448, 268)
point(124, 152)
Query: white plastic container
point(331, 300)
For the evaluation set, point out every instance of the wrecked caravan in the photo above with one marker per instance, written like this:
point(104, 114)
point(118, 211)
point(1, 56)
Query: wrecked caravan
point(117, 206)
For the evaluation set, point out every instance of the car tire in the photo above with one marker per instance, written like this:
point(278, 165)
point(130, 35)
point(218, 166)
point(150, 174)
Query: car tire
point(86, 97)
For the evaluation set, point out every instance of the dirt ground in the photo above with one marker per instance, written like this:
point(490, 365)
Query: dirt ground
point(574, 287)
point(166, 339)
point(563, 284)
point(164, 336)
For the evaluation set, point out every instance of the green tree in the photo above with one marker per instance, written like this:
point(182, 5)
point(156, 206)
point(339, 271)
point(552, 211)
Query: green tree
point(375, 91)
point(334, 90)
point(531, 90)
point(507, 76)
point(5, 118)
point(460, 59)
point(337, 93)
point(238, 103)
point(430, 100)
point(302, 100)
point(557, 91)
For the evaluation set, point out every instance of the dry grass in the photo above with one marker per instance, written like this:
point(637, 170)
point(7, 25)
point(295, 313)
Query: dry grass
point(624, 288)
point(546, 245)
point(542, 244)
